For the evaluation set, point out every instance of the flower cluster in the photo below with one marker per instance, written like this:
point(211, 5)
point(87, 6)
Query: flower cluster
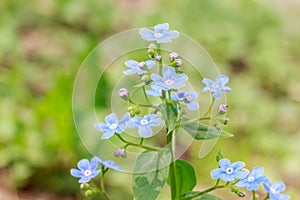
point(241, 177)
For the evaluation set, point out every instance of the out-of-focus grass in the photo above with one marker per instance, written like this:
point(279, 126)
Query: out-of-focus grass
point(43, 43)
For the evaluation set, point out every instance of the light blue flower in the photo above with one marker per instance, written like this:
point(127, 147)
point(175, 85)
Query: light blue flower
point(188, 98)
point(109, 164)
point(87, 170)
point(144, 124)
point(228, 172)
point(161, 33)
point(113, 125)
point(216, 87)
point(170, 80)
point(138, 67)
point(275, 190)
point(253, 179)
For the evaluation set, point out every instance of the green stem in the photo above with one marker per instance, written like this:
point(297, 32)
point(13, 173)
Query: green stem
point(210, 107)
point(160, 68)
point(194, 120)
point(102, 187)
point(143, 105)
point(253, 195)
point(172, 168)
point(137, 145)
point(146, 96)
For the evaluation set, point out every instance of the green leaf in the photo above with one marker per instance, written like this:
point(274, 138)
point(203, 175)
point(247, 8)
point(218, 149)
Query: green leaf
point(152, 175)
point(202, 197)
point(170, 114)
point(201, 131)
point(185, 177)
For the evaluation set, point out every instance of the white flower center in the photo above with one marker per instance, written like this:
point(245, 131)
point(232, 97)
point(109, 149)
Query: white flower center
point(215, 85)
point(144, 122)
point(87, 172)
point(229, 170)
point(169, 82)
point(250, 178)
point(158, 35)
point(113, 126)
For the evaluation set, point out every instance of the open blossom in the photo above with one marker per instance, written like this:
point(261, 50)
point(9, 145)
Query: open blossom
point(275, 190)
point(188, 98)
point(253, 179)
point(170, 80)
point(113, 125)
point(138, 67)
point(86, 170)
point(229, 172)
point(144, 124)
point(109, 164)
point(161, 33)
point(216, 87)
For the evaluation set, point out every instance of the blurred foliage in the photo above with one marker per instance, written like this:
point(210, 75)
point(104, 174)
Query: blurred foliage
point(44, 42)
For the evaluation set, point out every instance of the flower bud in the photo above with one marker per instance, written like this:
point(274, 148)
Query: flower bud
point(219, 156)
point(151, 50)
point(145, 78)
point(188, 99)
point(158, 58)
point(223, 108)
point(178, 62)
point(226, 121)
point(238, 192)
point(120, 153)
point(173, 56)
point(124, 94)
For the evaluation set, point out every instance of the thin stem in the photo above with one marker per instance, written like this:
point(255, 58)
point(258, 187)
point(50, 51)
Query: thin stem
point(210, 107)
point(194, 120)
point(142, 140)
point(218, 181)
point(160, 68)
point(253, 195)
point(172, 168)
point(143, 105)
point(137, 145)
point(146, 96)
point(102, 187)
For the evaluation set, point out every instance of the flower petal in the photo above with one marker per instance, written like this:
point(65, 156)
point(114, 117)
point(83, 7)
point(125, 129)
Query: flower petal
point(145, 131)
point(130, 71)
point(76, 173)
point(131, 64)
point(168, 72)
point(224, 163)
point(147, 34)
point(101, 127)
point(257, 171)
point(216, 173)
point(111, 118)
point(84, 179)
point(209, 83)
point(279, 186)
point(83, 164)
point(241, 174)
point(172, 34)
point(161, 27)
point(193, 106)
point(150, 64)
point(222, 80)
point(238, 165)
point(226, 89)
point(108, 134)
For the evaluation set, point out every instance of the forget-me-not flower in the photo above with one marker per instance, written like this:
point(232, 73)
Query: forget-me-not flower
point(87, 170)
point(228, 172)
point(109, 164)
point(161, 33)
point(138, 67)
point(216, 87)
point(188, 98)
point(275, 190)
point(253, 179)
point(113, 125)
point(144, 124)
point(170, 80)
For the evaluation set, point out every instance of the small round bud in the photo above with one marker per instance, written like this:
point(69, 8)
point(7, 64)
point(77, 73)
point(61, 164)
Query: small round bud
point(178, 62)
point(238, 192)
point(88, 193)
point(226, 121)
point(124, 94)
point(173, 56)
point(158, 58)
point(188, 99)
point(151, 46)
point(151, 50)
point(120, 153)
point(223, 108)
point(145, 78)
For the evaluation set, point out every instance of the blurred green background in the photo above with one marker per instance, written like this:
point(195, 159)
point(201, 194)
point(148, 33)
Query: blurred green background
point(43, 42)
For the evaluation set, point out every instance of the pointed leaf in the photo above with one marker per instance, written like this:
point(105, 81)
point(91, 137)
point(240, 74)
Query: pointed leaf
point(185, 177)
point(152, 177)
point(201, 131)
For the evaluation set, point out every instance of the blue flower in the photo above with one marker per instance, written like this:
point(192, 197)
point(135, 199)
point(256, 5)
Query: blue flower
point(144, 124)
point(170, 80)
point(160, 33)
point(228, 172)
point(216, 87)
point(254, 178)
point(87, 170)
point(138, 67)
point(275, 190)
point(109, 164)
point(187, 98)
point(113, 125)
